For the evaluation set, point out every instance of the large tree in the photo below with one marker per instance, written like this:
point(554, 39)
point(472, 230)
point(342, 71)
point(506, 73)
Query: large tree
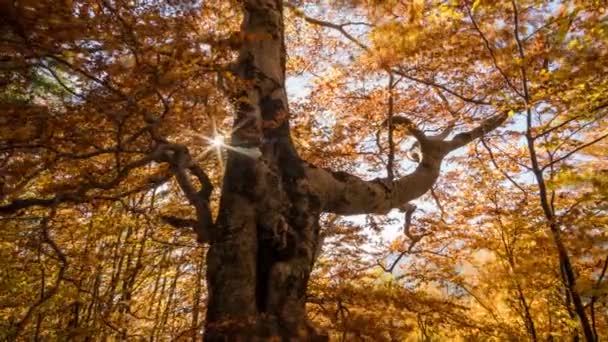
point(111, 144)
point(265, 238)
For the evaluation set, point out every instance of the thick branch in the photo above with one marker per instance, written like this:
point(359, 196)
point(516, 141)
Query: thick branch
point(347, 194)
point(181, 161)
point(178, 222)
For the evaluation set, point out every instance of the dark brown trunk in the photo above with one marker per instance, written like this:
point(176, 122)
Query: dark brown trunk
point(258, 271)
point(267, 229)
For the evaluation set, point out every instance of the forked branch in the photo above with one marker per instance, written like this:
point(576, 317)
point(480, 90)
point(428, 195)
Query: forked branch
point(346, 194)
point(181, 162)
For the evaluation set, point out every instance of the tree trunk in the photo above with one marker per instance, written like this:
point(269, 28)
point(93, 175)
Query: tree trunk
point(266, 233)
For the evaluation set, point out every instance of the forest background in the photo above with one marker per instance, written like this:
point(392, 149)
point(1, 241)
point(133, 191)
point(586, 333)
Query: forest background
point(509, 244)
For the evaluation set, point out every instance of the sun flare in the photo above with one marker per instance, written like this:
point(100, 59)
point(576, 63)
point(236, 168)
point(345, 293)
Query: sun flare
point(217, 141)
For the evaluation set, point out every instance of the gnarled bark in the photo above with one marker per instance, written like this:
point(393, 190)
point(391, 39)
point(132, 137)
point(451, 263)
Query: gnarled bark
point(267, 228)
point(346, 194)
point(267, 232)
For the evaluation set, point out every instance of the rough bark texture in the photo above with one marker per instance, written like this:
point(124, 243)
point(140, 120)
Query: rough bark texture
point(264, 240)
point(267, 228)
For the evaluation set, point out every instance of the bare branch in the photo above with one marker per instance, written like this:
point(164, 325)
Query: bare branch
point(446, 131)
point(486, 126)
point(391, 142)
point(491, 52)
point(503, 172)
point(569, 154)
point(414, 238)
point(398, 70)
point(48, 294)
point(174, 154)
point(338, 27)
point(79, 194)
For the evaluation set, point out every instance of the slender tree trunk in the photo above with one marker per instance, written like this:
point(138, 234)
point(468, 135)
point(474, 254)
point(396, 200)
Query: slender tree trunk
point(567, 270)
point(569, 276)
point(155, 336)
point(195, 328)
point(40, 316)
point(523, 302)
point(159, 276)
point(169, 305)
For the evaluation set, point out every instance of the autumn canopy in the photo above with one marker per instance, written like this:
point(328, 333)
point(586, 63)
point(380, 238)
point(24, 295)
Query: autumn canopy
point(302, 170)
